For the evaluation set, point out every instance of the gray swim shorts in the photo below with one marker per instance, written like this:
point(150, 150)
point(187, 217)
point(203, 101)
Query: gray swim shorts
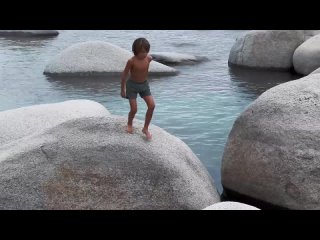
point(133, 88)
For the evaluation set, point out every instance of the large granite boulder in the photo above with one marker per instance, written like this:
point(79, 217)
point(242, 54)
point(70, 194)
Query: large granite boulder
point(25, 121)
point(306, 58)
point(92, 163)
point(266, 49)
point(272, 154)
point(97, 58)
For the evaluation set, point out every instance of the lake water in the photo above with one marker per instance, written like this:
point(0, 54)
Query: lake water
point(199, 105)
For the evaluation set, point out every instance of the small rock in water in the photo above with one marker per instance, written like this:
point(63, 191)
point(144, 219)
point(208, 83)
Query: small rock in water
point(29, 33)
point(177, 58)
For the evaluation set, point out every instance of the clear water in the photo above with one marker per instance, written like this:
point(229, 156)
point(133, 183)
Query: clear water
point(199, 105)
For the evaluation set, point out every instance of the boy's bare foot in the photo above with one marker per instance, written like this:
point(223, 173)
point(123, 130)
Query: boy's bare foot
point(130, 129)
point(147, 133)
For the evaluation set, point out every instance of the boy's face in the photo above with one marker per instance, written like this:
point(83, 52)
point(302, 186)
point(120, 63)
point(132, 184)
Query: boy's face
point(142, 54)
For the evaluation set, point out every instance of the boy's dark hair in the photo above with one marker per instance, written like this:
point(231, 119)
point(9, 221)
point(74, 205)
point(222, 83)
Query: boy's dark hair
point(139, 44)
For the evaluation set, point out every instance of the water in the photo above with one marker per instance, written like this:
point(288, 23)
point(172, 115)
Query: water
point(199, 105)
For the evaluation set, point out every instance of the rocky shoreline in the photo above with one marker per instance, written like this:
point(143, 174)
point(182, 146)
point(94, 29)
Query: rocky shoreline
point(277, 50)
point(76, 154)
point(271, 156)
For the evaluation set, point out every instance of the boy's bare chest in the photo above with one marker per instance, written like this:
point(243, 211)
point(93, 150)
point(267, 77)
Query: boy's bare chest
point(140, 66)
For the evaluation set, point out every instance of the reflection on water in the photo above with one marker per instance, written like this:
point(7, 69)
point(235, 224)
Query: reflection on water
point(105, 86)
point(93, 85)
point(257, 81)
point(16, 42)
point(199, 105)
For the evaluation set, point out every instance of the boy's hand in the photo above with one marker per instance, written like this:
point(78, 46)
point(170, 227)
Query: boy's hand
point(123, 94)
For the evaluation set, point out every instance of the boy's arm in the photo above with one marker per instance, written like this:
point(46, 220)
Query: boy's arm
point(125, 76)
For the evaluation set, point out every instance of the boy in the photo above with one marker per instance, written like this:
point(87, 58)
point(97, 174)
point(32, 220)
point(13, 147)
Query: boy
point(138, 67)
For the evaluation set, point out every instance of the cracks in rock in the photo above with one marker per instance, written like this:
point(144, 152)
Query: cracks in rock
point(241, 51)
point(44, 152)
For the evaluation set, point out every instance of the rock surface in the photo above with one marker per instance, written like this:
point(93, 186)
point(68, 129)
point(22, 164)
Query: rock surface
point(310, 33)
point(306, 58)
point(92, 163)
point(25, 121)
point(230, 206)
point(266, 49)
point(272, 153)
point(177, 58)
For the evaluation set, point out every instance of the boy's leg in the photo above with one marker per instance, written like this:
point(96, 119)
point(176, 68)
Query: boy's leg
point(151, 105)
point(132, 113)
